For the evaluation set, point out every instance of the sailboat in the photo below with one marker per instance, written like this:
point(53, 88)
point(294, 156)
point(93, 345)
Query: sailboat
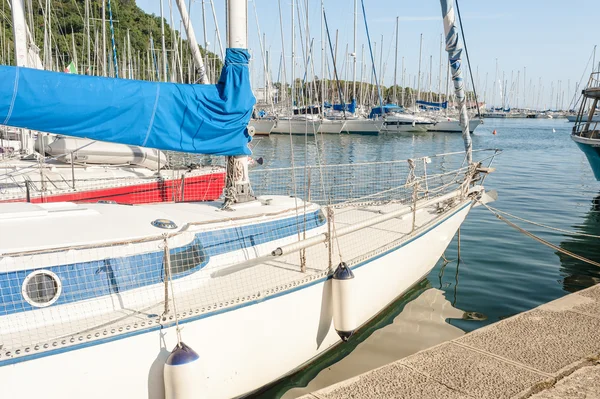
point(397, 120)
point(213, 299)
point(573, 118)
point(586, 131)
point(83, 170)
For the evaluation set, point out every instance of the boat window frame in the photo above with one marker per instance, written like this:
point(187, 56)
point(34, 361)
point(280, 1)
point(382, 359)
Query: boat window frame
point(30, 276)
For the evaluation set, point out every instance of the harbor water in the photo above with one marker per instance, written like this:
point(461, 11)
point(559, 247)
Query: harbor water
point(541, 176)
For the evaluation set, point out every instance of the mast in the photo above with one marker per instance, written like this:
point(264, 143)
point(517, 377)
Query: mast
point(212, 6)
point(374, 69)
point(362, 73)
point(74, 48)
point(162, 42)
point(19, 33)
point(403, 81)
point(440, 75)
point(49, 15)
point(396, 65)
point(454, 50)
point(191, 35)
point(293, 60)
point(430, 73)
point(263, 46)
point(354, 51)
point(419, 76)
point(283, 87)
point(103, 38)
point(129, 60)
point(237, 184)
point(323, 58)
point(495, 83)
point(174, 49)
point(112, 39)
point(381, 61)
point(206, 43)
point(87, 34)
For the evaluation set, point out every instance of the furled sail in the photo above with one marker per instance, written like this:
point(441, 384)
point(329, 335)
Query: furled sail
point(454, 49)
point(206, 119)
point(432, 105)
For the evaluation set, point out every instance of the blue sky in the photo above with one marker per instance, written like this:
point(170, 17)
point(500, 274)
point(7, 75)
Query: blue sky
point(552, 39)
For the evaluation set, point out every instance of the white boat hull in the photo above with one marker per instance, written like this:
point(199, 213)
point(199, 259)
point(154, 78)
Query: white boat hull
point(262, 127)
point(393, 127)
point(331, 126)
point(573, 118)
point(362, 126)
point(495, 115)
point(241, 349)
point(287, 126)
point(453, 126)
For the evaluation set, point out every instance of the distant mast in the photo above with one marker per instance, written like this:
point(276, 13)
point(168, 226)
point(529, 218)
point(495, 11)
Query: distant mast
point(20, 33)
point(191, 35)
point(454, 49)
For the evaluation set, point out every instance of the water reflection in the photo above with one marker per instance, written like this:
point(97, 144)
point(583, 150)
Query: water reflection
point(420, 325)
point(414, 322)
point(578, 274)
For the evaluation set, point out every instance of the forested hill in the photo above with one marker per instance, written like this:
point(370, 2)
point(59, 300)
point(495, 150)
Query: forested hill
point(68, 21)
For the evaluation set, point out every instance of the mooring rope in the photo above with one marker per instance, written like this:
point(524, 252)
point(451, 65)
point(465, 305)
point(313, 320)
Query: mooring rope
point(539, 239)
point(570, 232)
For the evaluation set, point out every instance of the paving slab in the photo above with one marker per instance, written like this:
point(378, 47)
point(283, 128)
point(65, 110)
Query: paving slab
point(582, 384)
point(472, 372)
point(393, 381)
point(592, 307)
point(546, 352)
point(547, 341)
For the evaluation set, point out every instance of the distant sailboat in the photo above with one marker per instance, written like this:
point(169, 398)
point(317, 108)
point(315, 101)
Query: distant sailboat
point(586, 132)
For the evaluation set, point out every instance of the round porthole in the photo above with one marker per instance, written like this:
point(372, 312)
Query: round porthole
point(41, 288)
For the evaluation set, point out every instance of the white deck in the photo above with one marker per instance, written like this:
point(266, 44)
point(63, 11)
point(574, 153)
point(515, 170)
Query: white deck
point(202, 292)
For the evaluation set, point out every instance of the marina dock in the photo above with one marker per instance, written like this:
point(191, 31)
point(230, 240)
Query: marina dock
point(551, 351)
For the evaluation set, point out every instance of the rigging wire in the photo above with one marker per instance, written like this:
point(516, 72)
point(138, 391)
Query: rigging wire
point(462, 32)
point(372, 59)
point(337, 80)
point(581, 81)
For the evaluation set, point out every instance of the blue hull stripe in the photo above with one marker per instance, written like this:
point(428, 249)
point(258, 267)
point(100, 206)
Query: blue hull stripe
point(217, 312)
point(87, 280)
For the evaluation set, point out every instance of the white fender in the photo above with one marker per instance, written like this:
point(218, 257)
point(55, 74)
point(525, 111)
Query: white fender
point(182, 374)
point(344, 298)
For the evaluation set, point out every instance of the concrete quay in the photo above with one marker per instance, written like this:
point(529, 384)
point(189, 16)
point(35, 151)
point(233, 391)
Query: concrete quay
point(552, 351)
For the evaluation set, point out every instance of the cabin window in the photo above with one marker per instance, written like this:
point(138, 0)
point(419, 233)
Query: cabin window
point(41, 288)
point(321, 217)
point(186, 259)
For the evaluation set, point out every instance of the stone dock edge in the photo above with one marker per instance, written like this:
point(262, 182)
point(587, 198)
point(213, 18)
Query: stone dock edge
point(551, 351)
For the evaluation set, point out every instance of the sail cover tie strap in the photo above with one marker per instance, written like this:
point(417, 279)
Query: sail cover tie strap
point(205, 119)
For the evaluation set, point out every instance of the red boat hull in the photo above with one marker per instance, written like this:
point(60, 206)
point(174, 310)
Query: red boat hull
point(207, 187)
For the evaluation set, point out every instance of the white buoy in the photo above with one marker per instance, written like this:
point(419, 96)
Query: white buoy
point(182, 373)
point(344, 297)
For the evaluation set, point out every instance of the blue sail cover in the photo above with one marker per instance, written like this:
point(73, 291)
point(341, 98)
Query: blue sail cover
point(206, 119)
point(432, 105)
point(376, 111)
point(351, 108)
